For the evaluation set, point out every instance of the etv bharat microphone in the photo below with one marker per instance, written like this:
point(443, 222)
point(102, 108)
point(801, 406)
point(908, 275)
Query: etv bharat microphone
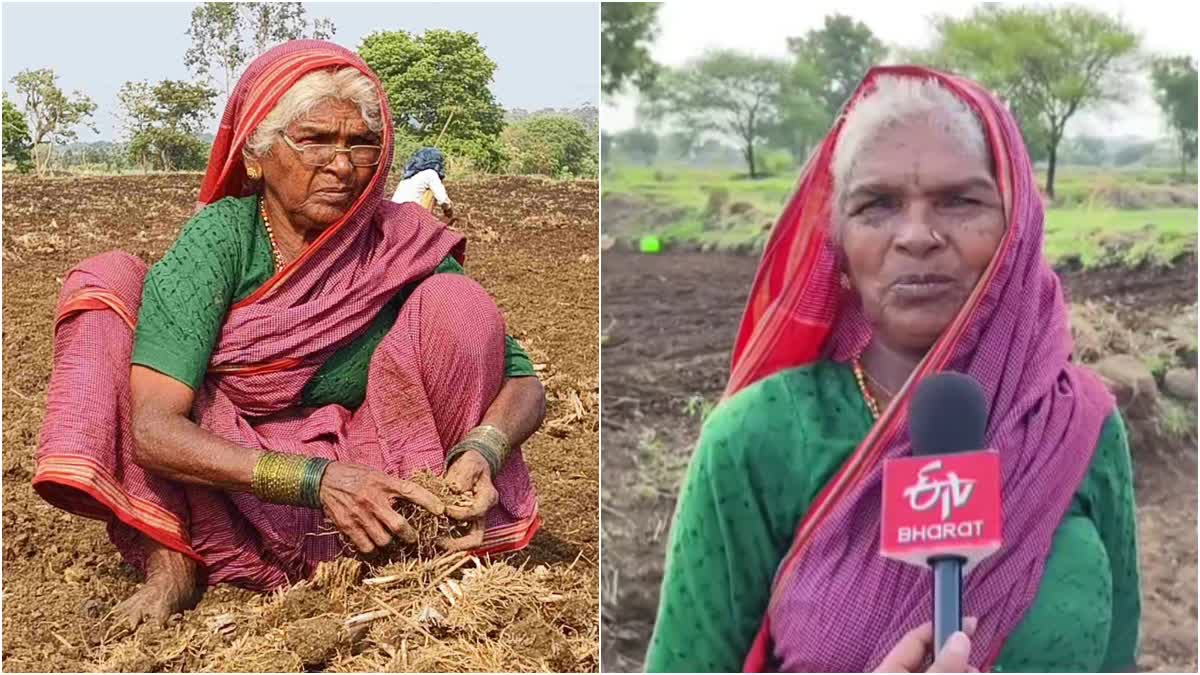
point(941, 507)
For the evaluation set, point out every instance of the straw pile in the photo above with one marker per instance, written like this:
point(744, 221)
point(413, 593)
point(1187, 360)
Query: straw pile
point(450, 613)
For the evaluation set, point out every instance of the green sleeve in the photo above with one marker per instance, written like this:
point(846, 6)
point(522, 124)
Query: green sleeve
point(187, 294)
point(1108, 490)
point(516, 361)
point(732, 527)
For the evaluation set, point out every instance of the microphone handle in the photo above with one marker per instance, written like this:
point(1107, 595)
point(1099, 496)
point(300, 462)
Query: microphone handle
point(947, 598)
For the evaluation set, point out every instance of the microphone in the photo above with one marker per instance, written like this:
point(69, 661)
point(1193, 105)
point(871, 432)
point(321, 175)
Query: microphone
point(941, 507)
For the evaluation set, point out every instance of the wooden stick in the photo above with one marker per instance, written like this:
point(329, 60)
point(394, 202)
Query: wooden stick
point(365, 617)
point(445, 127)
point(379, 581)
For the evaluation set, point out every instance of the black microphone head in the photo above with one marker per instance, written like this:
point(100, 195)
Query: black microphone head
point(948, 413)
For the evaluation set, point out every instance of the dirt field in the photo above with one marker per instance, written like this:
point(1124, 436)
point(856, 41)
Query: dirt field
point(532, 244)
point(669, 323)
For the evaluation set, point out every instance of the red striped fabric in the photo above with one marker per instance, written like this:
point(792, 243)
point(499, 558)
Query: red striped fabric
point(836, 606)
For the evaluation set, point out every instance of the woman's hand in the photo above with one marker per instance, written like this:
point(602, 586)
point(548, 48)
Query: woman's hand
point(470, 472)
point(358, 499)
point(909, 654)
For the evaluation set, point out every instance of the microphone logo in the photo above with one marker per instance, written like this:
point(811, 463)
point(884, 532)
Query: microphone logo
point(950, 491)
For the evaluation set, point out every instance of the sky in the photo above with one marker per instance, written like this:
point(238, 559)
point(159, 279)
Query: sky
point(686, 31)
point(96, 47)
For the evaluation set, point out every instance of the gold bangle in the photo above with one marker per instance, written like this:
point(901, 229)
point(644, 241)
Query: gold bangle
point(279, 478)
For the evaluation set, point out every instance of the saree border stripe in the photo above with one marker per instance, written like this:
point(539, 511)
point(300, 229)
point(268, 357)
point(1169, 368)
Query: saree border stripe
point(86, 476)
point(510, 537)
point(91, 299)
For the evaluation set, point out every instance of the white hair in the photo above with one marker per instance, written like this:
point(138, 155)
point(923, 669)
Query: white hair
point(896, 100)
point(345, 84)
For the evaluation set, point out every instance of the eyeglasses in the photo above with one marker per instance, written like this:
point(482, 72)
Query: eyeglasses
point(320, 154)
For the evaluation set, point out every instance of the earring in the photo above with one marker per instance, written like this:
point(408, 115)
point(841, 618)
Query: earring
point(253, 172)
point(845, 281)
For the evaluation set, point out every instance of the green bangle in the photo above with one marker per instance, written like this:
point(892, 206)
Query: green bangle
point(310, 482)
point(488, 453)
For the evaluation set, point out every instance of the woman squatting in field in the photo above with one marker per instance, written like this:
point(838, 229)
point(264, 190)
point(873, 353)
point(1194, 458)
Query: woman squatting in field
point(303, 346)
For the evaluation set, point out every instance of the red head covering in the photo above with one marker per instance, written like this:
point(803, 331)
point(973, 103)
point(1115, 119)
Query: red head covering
point(260, 88)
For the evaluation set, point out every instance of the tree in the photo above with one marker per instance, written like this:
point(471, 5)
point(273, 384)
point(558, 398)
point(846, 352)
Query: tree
point(51, 115)
point(640, 145)
point(17, 145)
point(841, 52)
point(162, 122)
point(439, 81)
point(226, 35)
point(803, 117)
point(626, 31)
point(1047, 62)
point(1175, 90)
point(724, 92)
point(551, 145)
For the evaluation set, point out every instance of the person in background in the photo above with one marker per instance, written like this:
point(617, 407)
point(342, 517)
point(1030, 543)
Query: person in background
point(913, 246)
point(422, 182)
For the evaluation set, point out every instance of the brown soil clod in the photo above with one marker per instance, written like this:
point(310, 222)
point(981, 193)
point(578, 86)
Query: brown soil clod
point(317, 640)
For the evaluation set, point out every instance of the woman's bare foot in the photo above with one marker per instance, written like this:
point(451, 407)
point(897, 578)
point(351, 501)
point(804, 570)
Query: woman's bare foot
point(170, 587)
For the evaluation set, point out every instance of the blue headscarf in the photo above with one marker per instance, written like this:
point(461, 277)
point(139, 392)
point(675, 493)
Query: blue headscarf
point(426, 158)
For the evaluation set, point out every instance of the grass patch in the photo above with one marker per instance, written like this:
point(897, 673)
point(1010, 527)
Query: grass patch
point(1094, 237)
point(1084, 228)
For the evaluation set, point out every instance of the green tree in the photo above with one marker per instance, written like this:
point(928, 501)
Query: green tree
point(1047, 62)
point(439, 82)
point(827, 65)
point(163, 120)
point(550, 145)
point(17, 145)
point(841, 52)
point(1175, 90)
point(639, 145)
point(51, 115)
point(724, 92)
point(226, 35)
point(626, 31)
point(803, 118)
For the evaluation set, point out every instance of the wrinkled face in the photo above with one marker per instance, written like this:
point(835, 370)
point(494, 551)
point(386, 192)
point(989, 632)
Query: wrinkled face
point(920, 219)
point(315, 197)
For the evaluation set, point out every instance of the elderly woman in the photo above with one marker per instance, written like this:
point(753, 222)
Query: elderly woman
point(913, 245)
point(303, 346)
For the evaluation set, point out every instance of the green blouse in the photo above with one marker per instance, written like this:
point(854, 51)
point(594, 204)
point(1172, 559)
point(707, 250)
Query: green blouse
point(222, 256)
point(756, 471)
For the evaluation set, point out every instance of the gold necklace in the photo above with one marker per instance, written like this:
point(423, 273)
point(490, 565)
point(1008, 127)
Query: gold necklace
point(860, 377)
point(262, 208)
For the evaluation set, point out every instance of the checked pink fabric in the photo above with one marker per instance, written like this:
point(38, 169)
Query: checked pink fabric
point(429, 382)
point(836, 605)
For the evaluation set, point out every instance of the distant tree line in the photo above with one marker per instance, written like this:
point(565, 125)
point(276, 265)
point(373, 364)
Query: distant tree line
point(437, 84)
point(1046, 63)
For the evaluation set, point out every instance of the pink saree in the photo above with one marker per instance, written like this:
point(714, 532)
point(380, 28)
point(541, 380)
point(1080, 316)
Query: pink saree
point(430, 379)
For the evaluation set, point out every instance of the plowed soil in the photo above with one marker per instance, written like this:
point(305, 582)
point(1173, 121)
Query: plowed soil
point(668, 326)
point(531, 243)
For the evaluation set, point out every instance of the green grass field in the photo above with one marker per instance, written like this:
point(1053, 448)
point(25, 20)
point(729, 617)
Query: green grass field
point(717, 209)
